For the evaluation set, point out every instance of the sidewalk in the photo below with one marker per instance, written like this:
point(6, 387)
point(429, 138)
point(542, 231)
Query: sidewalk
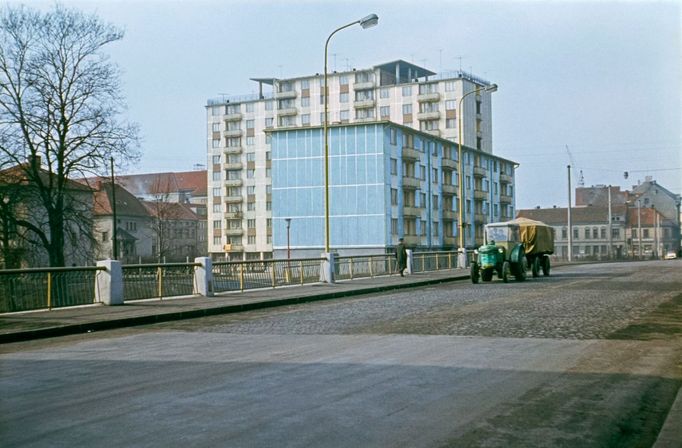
point(29, 325)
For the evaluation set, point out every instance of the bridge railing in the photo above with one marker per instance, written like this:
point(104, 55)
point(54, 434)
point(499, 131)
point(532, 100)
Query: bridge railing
point(146, 281)
point(40, 288)
point(271, 273)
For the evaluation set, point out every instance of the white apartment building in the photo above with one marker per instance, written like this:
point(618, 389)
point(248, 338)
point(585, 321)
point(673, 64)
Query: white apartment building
point(239, 178)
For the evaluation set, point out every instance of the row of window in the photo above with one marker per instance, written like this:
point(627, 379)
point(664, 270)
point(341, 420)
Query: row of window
point(237, 240)
point(237, 191)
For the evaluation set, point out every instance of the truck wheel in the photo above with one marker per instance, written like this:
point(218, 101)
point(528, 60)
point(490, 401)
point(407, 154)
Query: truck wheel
point(474, 272)
point(535, 268)
point(487, 275)
point(545, 266)
point(522, 269)
point(506, 272)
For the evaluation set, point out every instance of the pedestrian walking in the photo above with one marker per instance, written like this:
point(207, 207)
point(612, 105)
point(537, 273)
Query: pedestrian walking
point(401, 256)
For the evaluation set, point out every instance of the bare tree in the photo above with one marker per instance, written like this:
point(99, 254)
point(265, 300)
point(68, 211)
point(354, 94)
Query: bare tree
point(60, 107)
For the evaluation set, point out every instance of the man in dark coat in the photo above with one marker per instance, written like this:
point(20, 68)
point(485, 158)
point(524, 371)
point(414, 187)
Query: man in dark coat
point(401, 256)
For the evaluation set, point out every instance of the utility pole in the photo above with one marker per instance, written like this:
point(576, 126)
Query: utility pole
point(570, 227)
point(639, 228)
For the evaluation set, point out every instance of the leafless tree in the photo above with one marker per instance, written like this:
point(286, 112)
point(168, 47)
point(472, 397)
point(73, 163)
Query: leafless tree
point(60, 116)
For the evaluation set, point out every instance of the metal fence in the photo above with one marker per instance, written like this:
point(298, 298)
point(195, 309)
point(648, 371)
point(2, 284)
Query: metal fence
point(242, 275)
point(146, 281)
point(348, 268)
point(32, 289)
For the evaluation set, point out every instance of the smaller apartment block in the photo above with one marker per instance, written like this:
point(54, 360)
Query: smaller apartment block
point(387, 181)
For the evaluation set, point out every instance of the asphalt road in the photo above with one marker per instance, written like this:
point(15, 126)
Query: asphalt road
point(589, 357)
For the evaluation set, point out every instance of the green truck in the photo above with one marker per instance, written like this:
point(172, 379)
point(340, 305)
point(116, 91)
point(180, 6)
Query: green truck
point(511, 248)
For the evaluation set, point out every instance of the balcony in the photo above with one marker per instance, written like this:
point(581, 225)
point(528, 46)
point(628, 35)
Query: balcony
point(234, 199)
point(410, 210)
point(449, 164)
point(233, 117)
point(411, 182)
point(410, 153)
point(480, 195)
point(233, 133)
point(428, 97)
point(435, 132)
point(233, 183)
point(428, 115)
point(287, 112)
point(450, 189)
point(233, 150)
point(364, 104)
point(479, 171)
point(363, 85)
point(234, 232)
point(233, 166)
point(233, 248)
point(505, 178)
point(449, 241)
point(449, 214)
point(505, 199)
point(479, 218)
point(286, 94)
point(233, 215)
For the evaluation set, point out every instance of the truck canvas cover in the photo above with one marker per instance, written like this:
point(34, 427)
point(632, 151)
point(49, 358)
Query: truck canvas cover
point(537, 237)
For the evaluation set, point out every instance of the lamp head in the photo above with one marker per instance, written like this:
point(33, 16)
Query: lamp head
point(369, 21)
point(491, 88)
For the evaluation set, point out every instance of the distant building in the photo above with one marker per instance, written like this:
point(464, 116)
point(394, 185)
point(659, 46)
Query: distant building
point(386, 181)
point(240, 177)
point(645, 222)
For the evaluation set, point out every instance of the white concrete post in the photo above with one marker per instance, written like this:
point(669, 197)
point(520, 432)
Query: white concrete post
point(408, 270)
point(327, 268)
point(109, 283)
point(203, 276)
point(462, 261)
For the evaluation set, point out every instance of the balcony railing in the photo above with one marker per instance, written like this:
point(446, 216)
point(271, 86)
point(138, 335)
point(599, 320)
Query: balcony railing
point(428, 97)
point(410, 153)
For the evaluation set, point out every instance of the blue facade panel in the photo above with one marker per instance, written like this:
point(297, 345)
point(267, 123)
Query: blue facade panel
point(357, 187)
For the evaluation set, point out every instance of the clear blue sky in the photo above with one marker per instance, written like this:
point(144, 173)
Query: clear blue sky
point(603, 78)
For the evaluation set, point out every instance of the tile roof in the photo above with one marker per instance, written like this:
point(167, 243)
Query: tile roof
point(579, 215)
point(126, 203)
point(170, 210)
point(166, 183)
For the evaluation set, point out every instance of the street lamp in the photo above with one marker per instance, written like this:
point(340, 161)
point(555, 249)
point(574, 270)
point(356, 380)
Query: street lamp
point(491, 88)
point(366, 22)
point(288, 220)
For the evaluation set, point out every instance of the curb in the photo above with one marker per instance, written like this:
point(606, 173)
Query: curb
point(101, 325)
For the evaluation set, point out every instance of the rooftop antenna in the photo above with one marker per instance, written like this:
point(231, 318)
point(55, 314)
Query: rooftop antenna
point(334, 55)
point(581, 180)
point(347, 64)
point(440, 60)
point(460, 63)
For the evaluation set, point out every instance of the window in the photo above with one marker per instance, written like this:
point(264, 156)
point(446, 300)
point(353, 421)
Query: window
point(216, 208)
point(216, 241)
point(249, 107)
point(250, 124)
point(595, 233)
point(385, 111)
point(216, 175)
point(305, 120)
point(232, 109)
point(343, 97)
point(615, 232)
point(234, 142)
point(603, 232)
point(364, 113)
point(216, 160)
point(105, 236)
point(450, 105)
point(250, 141)
point(216, 127)
point(434, 202)
point(394, 226)
point(407, 90)
point(216, 192)
point(268, 223)
point(407, 109)
point(422, 200)
point(250, 206)
point(393, 136)
point(343, 80)
point(269, 122)
point(250, 156)
point(251, 239)
point(449, 86)
point(251, 189)
point(268, 156)
point(394, 167)
point(215, 143)
point(250, 174)
point(575, 233)
point(384, 93)
point(215, 111)
point(427, 88)
point(268, 205)
point(305, 101)
point(268, 172)
point(450, 123)
point(645, 233)
point(305, 84)
point(394, 196)
point(587, 233)
point(216, 224)
point(269, 105)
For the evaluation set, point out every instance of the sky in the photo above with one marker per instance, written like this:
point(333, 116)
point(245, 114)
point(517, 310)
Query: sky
point(593, 84)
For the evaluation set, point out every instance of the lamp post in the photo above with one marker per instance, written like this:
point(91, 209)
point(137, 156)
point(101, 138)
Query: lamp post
point(366, 22)
point(288, 220)
point(491, 88)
